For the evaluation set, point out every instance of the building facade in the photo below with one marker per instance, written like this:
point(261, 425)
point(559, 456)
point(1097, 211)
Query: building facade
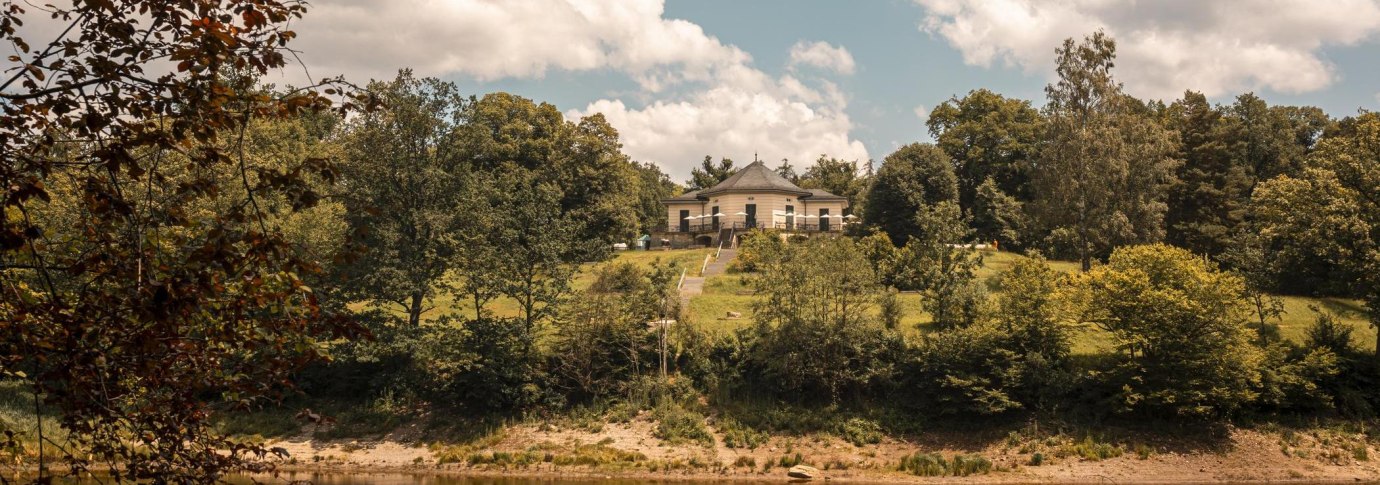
point(754, 197)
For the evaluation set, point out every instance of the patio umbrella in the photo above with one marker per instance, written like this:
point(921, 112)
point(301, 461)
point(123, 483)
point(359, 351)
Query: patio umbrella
point(688, 218)
point(810, 216)
point(740, 214)
point(720, 214)
point(850, 216)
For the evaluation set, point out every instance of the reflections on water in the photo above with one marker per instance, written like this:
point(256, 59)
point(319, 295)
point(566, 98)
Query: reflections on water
point(430, 479)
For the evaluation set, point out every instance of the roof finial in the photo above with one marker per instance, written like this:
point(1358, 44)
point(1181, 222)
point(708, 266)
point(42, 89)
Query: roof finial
point(754, 157)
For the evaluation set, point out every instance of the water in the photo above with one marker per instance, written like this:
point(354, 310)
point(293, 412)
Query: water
point(437, 479)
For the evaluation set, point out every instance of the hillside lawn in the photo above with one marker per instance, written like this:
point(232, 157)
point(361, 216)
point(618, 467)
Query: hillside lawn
point(733, 292)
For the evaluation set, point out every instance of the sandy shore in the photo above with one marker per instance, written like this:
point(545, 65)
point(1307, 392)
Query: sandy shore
point(1244, 456)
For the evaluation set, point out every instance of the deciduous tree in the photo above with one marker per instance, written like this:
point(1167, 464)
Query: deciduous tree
point(913, 177)
point(138, 313)
point(1100, 181)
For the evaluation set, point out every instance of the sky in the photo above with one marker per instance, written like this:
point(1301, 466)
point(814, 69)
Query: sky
point(795, 79)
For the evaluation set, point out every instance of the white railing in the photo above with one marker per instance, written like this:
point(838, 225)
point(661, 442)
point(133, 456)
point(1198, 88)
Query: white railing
point(682, 280)
point(705, 265)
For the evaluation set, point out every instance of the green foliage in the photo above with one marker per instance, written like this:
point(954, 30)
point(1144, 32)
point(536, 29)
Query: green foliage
point(913, 177)
point(1325, 219)
point(992, 141)
point(406, 179)
point(860, 432)
point(737, 435)
point(675, 424)
point(1328, 334)
point(757, 248)
point(1297, 379)
point(709, 173)
point(999, 218)
point(890, 310)
point(1104, 164)
point(838, 177)
point(488, 364)
point(944, 274)
point(1180, 325)
point(934, 465)
point(815, 334)
point(965, 370)
point(1028, 309)
point(1090, 450)
point(602, 343)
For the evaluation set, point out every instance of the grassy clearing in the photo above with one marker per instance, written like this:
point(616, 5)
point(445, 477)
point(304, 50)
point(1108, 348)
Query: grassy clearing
point(731, 292)
point(690, 259)
point(17, 415)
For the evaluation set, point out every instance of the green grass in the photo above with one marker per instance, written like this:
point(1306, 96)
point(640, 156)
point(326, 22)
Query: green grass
point(690, 259)
point(17, 416)
point(730, 292)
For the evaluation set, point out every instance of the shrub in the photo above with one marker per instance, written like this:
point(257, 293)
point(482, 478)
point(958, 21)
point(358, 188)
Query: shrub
point(934, 465)
point(756, 248)
point(925, 464)
point(860, 431)
point(964, 465)
point(1181, 325)
point(677, 425)
point(738, 436)
point(1328, 333)
point(964, 371)
point(488, 364)
point(818, 352)
point(1090, 449)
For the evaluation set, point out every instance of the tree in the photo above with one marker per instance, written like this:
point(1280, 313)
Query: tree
point(787, 171)
point(911, 178)
point(998, 217)
point(940, 264)
point(139, 312)
point(596, 182)
point(1180, 327)
point(1029, 309)
point(541, 246)
point(653, 186)
point(1102, 171)
point(1326, 221)
point(709, 174)
point(815, 334)
point(403, 180)
point(1207, 202)
point(838, 177)
point(1250, 257)
point(988, 136)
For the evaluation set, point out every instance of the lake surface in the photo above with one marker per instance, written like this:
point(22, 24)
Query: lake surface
point(428, 479)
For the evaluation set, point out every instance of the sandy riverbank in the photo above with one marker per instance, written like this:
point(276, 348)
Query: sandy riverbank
point(1239, 456)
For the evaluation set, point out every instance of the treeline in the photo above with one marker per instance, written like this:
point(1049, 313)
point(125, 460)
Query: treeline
point(1284, 195)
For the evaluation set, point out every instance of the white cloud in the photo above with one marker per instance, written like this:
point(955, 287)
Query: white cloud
point(697, 95)
point(921, 112)
point(489, 40)
point(730, 122)
point(1165, 47)
point(822, 55)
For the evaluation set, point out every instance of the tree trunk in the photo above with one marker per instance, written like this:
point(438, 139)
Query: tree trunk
point(414, 311)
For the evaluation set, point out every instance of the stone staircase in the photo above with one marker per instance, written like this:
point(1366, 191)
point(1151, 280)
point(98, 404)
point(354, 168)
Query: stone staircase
point(717, 267)
point(694, 285)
